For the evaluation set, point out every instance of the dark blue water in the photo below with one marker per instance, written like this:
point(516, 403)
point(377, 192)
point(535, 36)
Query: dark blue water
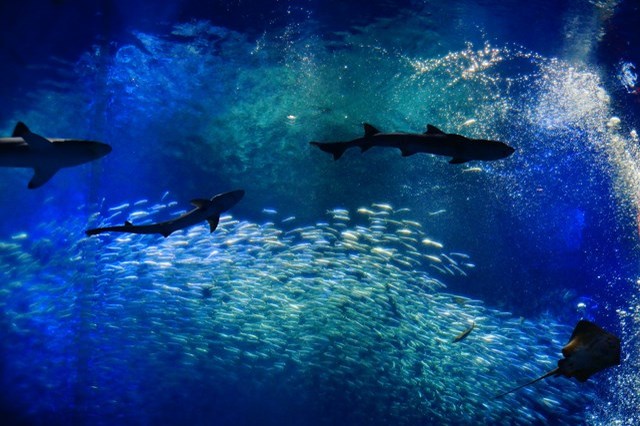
point(197, 98)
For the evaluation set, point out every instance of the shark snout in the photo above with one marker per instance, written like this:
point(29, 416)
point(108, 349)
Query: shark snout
point(225, 201)
point(101, 149)
point(503, 150)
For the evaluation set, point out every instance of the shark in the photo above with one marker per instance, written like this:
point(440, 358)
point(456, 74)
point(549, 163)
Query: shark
point(433, 141)
point(205, 209)
point(46, 155)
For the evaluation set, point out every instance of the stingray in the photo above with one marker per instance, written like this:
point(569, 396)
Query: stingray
point(590, 349)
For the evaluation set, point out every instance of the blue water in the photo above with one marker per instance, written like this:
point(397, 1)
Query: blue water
point(201, 97)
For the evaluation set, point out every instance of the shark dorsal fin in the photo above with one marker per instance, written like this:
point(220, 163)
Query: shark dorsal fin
point(369, 130)
point(33, 140)
point(201, 203)
point(127, 223)
point(433, 130)
point(213, 222)
point(20, 130)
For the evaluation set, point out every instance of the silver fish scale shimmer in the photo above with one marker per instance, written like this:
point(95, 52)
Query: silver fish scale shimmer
point(345, 316)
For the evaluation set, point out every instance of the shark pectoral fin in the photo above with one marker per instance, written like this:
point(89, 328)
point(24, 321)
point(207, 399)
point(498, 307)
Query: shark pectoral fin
point(41, 176)
point(213, 223)
point(365, 147)
point(20, 130)
point(433, 130)
point(36, 141)
point(406, 152)
point(200, 203)
point(336, 148)
point(458, 160)
point(369, 130)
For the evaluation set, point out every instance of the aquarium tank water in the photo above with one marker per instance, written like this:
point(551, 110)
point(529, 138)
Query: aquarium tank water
point(470, 206)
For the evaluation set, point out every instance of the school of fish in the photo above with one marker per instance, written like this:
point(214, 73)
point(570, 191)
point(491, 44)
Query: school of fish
point(349, 316)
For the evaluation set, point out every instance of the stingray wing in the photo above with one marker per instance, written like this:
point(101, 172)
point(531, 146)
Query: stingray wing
point(590, 349)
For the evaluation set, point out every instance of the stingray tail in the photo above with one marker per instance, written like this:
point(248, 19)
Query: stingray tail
point(550, 373)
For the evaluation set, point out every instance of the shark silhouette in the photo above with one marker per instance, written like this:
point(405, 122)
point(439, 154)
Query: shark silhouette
point(590, 349)
point(44, 155)
point(433, 141)
point(208, 210)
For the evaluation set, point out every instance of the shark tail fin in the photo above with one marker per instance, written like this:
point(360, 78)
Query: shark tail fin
point(555, 371)
point(336, 148)
point(20, 130)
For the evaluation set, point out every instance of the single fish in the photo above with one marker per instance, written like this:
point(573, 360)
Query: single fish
point(465, 333)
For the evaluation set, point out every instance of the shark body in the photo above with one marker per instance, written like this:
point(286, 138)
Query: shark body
point(45, 155)
point(208, 210)
point(434, 141)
